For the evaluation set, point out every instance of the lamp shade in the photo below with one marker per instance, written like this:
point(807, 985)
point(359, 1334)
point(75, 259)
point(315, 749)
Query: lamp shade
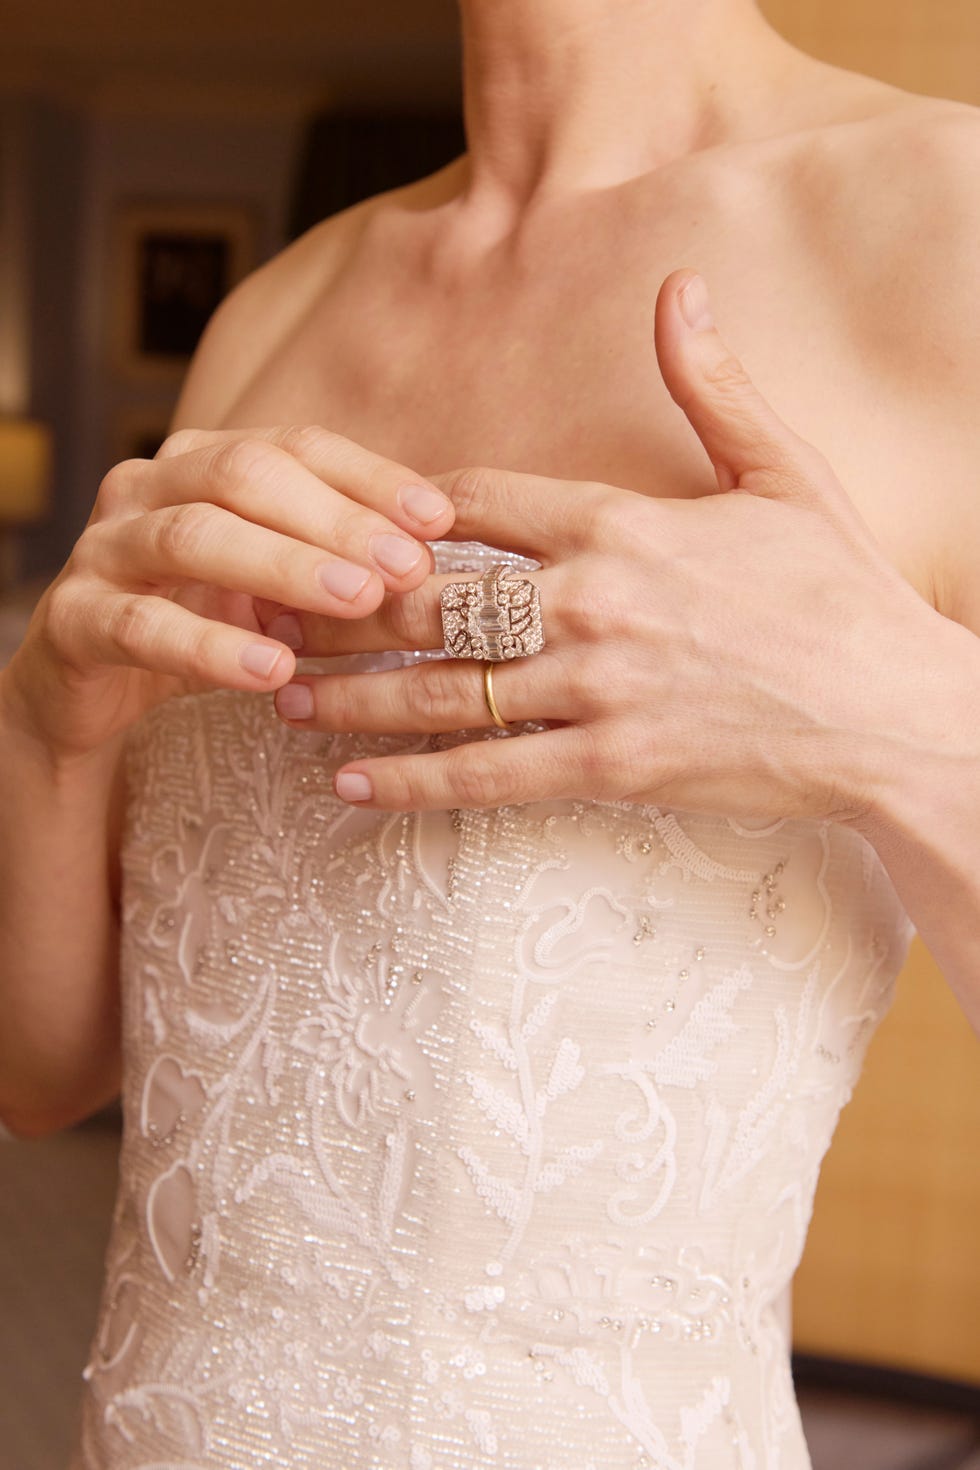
point(25, 470)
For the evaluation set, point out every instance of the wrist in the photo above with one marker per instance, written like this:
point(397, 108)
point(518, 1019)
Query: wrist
point(923, 774)
point(26, 734)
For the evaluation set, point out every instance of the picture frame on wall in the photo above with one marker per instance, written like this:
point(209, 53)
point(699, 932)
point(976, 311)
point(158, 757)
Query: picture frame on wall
point(172, 262)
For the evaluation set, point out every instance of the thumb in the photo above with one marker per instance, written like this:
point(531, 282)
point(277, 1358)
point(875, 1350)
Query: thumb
point(747, 442)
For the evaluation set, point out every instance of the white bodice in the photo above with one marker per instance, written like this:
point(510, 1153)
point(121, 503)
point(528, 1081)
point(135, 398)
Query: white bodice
point(464, 1139)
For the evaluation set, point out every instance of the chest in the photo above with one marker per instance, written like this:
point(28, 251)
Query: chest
point(544, 360)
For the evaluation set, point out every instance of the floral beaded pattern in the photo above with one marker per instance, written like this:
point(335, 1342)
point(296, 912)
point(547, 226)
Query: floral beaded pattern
point(468, 1138)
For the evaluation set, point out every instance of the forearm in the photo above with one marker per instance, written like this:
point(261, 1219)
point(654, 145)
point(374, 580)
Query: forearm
point(59, 1010)
point(925, 824)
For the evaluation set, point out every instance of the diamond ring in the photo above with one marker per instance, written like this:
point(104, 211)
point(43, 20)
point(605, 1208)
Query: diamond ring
point(496, 618)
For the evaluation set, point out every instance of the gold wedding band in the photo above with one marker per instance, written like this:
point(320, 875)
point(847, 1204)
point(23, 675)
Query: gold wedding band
point(495, 714)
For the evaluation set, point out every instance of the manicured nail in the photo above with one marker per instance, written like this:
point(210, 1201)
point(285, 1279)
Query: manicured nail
point(258, 658)
point(695, 309)
point(285, 627)
point(343, 578)
point(396, 554)
point(295, 701)
point(353, 786)
point(422, 504)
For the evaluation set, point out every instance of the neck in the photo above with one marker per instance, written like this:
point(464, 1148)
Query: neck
point(562, 95)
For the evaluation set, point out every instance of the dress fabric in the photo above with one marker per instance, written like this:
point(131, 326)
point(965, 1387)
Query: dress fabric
point(464, 1139)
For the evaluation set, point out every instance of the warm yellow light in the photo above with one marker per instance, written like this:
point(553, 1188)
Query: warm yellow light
point(25, 470)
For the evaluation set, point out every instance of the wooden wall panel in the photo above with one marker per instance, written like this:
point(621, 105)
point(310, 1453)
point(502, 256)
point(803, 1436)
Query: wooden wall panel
point(930, 46)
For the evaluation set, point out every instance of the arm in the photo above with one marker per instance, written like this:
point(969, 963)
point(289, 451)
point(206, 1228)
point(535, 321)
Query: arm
point(925, 818)
point(59, 998)
point(59, 906)
point(62, 817)
point(924, 821)
point(109, 641)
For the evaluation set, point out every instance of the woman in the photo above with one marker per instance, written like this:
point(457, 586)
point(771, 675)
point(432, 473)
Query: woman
point(476, 1084)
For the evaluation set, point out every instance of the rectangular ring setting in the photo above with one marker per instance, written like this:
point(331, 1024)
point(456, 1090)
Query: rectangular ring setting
point(495, 618)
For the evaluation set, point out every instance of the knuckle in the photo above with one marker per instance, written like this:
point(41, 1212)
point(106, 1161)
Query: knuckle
point(470, 489)
point(382, 477)
point(182, 531)
point(350, 525)
point(472, 777)
point(181, 441)
point(87, 553)
point(287, 565)
point(610, 760)
point(402, 618)
point(305, 441)
point(726, 374)
point(252, 461)
point(341, 456)
point(577, 608)
point(599, 516)
point(116, 487)
point(402, 789)
point(433, 695)
point(590, 607)
point(70, 623)
point(132, 623)
point(202, 653)
point(637, 521)
point(593, 759)
point(585, 680)
point(61, 610)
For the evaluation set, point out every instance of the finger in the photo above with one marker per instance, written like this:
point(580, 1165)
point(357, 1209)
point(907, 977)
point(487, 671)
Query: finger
point(748, 444)
point(406, 498)
point(413, 619)
point(437, 695)
point(204, 543)
point(545, 518)
point(150, 632)
point(483, 773)
point(262, 483)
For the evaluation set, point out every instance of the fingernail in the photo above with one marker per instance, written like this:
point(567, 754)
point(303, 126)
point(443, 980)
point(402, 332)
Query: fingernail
point(396, 554)
point(285, 627)
point(422, 504)
point(353, 786)
point(258, 658)
point(343, 578)
point(694, 305)
point(295, 701)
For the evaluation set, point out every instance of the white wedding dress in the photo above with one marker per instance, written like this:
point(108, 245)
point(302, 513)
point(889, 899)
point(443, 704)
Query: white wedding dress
point(464, 1139)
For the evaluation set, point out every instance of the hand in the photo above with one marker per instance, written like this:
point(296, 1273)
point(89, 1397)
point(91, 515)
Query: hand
point(224, 532)
point(745, 653)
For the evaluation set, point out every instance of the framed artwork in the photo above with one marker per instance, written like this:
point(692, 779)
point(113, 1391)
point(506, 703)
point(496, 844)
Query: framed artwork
point(171, 264)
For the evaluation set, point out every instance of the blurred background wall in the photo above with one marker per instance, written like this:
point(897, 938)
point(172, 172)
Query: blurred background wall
point(266, 116)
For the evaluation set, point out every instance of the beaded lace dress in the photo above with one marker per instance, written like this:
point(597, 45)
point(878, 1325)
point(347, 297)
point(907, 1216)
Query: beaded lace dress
point(464, 1139)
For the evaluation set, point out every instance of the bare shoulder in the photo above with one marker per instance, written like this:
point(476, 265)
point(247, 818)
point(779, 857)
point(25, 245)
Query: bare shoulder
point(259, 314)
point(897, 194)
point(897, 228)
point(909, 177)
point(904, 206)
point(255, 316)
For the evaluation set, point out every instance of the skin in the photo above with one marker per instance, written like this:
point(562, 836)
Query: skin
point(763, 601)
